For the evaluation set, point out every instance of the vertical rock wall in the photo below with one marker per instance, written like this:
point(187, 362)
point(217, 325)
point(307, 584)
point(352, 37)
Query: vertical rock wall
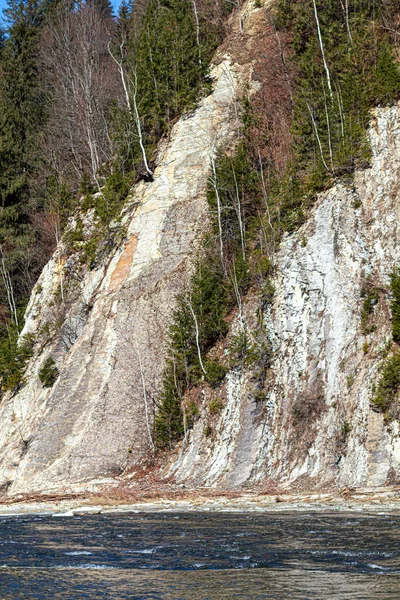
point(322, 359)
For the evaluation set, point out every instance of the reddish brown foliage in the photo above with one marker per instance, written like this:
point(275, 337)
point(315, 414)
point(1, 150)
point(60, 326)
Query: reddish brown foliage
point(272, 106)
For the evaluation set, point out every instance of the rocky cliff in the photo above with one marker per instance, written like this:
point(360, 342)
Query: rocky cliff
point(321, 359)
point(94, 423)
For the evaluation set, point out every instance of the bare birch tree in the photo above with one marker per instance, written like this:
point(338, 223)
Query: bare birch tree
point(188, 301)
point(144, 391)
point(321, 45)
point(8, 284)
point(130, 87)
point(80, 86)
point(214, 183)
point(317, 136)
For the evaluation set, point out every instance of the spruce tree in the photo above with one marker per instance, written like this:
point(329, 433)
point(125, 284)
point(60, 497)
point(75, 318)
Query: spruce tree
point(165, 58)
point(20, 119)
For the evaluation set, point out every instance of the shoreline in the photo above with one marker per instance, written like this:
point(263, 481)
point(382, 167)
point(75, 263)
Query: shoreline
point(379, 500)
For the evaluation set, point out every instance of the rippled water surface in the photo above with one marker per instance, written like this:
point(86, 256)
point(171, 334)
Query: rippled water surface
point(200, 556)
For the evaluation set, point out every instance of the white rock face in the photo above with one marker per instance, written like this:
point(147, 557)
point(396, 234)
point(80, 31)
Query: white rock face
point(92, 422)
point(319, 346)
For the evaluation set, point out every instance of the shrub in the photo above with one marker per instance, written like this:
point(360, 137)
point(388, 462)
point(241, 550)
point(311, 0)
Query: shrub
point(308, 407)
point(388, 385)
point(207, 430)
point(14, 355)
point(350, 380)
point(215, 406)
point(370, 297)
point(215, 372)
point(192, 413)
point(241, 349)
point(395, 304)
point(346, 429)
point(48, 373)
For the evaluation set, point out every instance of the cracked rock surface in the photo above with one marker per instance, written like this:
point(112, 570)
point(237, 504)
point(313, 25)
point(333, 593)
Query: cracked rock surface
point(92, 423)
point(321, 354)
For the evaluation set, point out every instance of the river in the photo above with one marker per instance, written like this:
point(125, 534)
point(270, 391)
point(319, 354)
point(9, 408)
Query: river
point(193, 556)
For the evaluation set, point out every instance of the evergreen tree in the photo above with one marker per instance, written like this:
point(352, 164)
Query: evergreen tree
point(165, 59)
point(21, 116)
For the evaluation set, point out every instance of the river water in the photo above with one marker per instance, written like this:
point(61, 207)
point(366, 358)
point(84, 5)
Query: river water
point(203, 556)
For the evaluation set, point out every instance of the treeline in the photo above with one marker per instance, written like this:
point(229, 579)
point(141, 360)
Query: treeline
point(84, 98)
point(323, 65)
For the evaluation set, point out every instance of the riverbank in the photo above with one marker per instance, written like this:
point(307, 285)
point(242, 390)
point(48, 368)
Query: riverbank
point(116, 500)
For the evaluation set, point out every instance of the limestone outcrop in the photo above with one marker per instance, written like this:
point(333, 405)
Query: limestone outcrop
point(321, 356)
point(92, 423)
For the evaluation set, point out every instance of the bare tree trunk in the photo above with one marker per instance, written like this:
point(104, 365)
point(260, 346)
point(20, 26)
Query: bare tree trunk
point(237, 294)
point(328, 124)
point(317, 136)
point(60, 271)
point(239, 213)
point(196, 18)
point(215, 186)
point(131, 105)
point(9, 290)
point(152, 446)
point(182, 404)
point(239, 9)
point(348, 22)
point(196, 324)
point(139, 127)
point(328, 76)
point(340, 105)
point(264, 190)
point(121, 72)
point(345, 9)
